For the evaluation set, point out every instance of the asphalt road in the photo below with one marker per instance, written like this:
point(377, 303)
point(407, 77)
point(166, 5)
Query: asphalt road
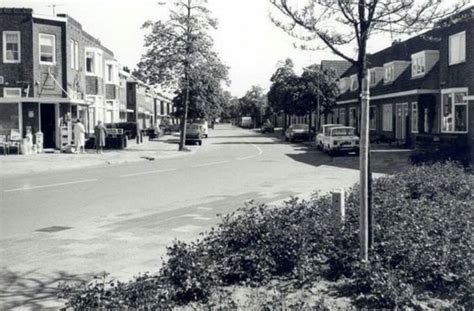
point(73, 224)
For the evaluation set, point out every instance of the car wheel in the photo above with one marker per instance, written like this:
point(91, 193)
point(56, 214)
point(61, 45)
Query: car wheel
point(331, 152)
point(286, 138)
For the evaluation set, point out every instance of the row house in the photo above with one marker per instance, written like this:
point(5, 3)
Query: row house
point(421, 87)
point(53, 72)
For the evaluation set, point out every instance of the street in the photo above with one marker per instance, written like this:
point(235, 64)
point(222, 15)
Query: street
point(119, 219)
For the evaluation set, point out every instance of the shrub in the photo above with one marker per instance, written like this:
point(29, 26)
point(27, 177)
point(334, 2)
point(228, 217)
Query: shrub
point(421, 245)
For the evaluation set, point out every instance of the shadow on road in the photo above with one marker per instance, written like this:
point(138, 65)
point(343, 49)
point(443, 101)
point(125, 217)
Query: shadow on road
point(381, 162)
point(26, 291)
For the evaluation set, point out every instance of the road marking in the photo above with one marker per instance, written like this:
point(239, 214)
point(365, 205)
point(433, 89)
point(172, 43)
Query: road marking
point(210, 163)
point(260, 151)
point(391, 150)
point(204, 208)
point(52, 185)
point(148, 172)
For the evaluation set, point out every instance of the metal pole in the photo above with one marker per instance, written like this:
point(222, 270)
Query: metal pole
point(364, 172)
point(318, 122)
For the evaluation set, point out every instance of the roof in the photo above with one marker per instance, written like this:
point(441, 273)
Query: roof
point(339, 66)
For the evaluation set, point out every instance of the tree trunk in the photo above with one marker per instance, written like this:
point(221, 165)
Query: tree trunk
point(184, 119)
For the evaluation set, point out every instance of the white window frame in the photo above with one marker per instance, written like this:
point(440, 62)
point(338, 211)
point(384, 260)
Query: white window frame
point(74, 52)
point(115, 73)
point(54, 48)
point(373, 73)
point(11, 89)
point(389, 73)
point(418, 64)
point(387, 120)
point(354, 82)
point(98, 61)
point(462, 50)
point(4, 40)
point(453, 93)
point(414, 117)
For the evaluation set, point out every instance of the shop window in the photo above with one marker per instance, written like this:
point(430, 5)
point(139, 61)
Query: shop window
point(47, 46)
point(12, 92)
point(9, 118)
point(414, 117)
point(457, 48)
point(372, 118)
point(454, 112)
point(11, 47)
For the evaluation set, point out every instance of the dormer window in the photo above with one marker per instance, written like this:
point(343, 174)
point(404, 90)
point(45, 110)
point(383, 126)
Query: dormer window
point(418, 64)
point(354, 83)
point(372, 77)
point(343, 85)
point(389, 74)
point(457, 48)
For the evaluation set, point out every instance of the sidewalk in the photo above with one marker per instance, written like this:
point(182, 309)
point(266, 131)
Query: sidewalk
point(162, 148)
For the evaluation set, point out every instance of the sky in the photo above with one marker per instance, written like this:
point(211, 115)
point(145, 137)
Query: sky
point(246, 39)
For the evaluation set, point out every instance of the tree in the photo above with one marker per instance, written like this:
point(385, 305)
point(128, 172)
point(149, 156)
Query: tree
point(254, 104)
point(281, 94)
point(177, 49)
point(338, 23)
point(316, 90)
point(205, 90)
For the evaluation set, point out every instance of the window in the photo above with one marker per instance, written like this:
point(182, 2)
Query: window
point(9, 118)
point(342, 116)
point(372, 118)
point(12, 92)
point(457, 48)
point(387, 118)
point(418, 62)
point(454, 111)
point(372, 77)
point(414, 117)
point(354, 83)
point(389, 74)
point(11, 47)
point(47, 45)
point(94, 62)
point(90, 65)
point(353, 117)
point(110, 72)
point(74, 51)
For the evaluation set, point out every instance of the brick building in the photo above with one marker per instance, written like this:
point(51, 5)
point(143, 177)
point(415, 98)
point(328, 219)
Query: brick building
point(52, 72)
point(421, 89)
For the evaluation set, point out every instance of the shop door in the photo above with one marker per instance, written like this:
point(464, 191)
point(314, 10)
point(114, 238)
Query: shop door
point(401, 122)
point(48, 125)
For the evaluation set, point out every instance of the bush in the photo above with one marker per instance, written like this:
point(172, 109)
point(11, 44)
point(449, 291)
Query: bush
point(421, 245)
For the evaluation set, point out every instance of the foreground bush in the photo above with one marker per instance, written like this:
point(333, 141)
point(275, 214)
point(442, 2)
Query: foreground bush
point(422, 247)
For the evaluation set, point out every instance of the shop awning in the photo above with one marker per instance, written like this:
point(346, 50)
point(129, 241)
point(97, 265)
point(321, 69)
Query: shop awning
point(45, 100)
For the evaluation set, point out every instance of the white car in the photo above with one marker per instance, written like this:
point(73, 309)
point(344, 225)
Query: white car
point(320, 135)
point(204, 127)
point(341, 139)
point(297, 131)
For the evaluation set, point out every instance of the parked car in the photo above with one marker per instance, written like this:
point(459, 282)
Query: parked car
point(340, 139)
point(193, 134)
point(153, 132)
point(267, 127)
point(204, 125)
point(297, 132)
point(129, 128)
point(320, 135)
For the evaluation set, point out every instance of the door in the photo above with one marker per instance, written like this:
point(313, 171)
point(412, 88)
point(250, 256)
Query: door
point(48, 125)
point(401, 122)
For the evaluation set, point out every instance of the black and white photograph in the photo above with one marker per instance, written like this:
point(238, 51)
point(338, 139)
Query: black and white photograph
point(241, 155)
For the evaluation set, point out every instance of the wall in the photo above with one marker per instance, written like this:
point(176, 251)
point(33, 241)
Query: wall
point(18, 20)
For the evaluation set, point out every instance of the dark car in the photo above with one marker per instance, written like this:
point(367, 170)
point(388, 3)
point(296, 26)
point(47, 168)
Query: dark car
point(267, 128)
point(129, 128)
point(193, 134)
point(297, 132)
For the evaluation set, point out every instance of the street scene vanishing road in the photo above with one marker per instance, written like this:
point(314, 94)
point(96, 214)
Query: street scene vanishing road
point(76, 223)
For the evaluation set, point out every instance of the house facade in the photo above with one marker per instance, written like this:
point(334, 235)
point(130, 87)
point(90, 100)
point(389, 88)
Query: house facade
point(53, 72)
point(421, 89)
